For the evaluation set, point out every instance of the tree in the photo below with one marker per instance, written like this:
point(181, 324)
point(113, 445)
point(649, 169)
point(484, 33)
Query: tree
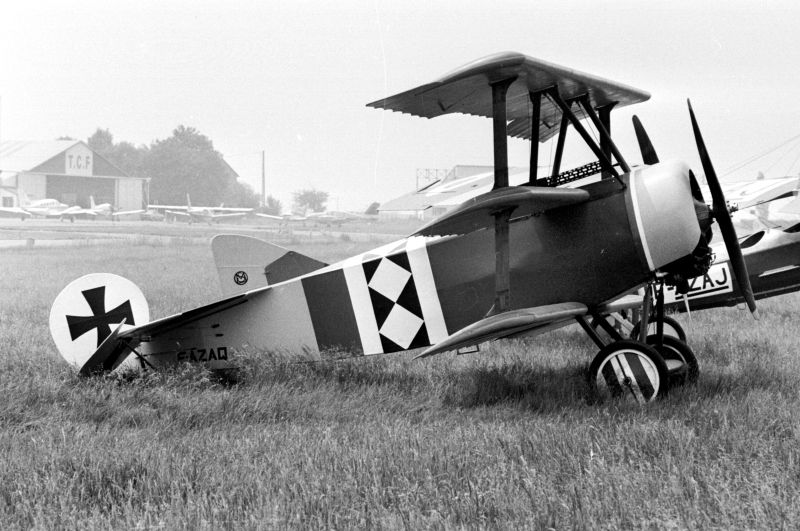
point(187, 162)
point(310, 199)
point(102, 141)
point(126, 156)
point(184, 163)
point(272, 206)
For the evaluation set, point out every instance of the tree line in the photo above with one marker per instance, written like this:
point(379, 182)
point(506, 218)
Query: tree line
point(186, 162)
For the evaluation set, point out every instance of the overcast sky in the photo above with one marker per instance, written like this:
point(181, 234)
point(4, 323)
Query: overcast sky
point(293, 79)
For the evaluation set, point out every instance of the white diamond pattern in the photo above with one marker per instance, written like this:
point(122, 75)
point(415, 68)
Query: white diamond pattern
point(389, 279)
point(401, 326)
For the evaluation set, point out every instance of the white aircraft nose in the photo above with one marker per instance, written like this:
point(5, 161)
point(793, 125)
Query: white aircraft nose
point(664, 213)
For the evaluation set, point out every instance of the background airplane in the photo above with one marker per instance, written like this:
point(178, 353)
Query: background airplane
point(327, 218)
point(43, 207)
point(104, 210)
point(194, 213)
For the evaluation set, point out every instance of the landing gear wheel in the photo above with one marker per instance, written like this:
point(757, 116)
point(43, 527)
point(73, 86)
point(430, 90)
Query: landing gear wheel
point(681, 362)
point(628, 369)
point(671, 328)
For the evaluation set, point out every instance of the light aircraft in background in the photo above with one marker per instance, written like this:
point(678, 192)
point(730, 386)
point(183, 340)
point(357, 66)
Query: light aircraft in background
point(43, 207)
point(103, 210)
point(195, 213)
point(516, 261)
point(337, 217)
point(327, 218)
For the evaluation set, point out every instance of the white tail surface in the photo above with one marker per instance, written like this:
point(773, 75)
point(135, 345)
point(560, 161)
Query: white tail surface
point(245, 263)
point(88, 311)
point(241, 260)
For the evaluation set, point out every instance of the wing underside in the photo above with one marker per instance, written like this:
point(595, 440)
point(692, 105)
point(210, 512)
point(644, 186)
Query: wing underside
point(507, 324)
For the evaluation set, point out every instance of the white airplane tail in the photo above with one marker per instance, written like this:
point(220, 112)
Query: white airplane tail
point(23, 199)
point(245, 263)
point(88, 315)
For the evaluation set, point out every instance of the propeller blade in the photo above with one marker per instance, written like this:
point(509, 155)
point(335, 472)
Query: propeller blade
point(697, 193)
point(723, 217)
point(649, 155)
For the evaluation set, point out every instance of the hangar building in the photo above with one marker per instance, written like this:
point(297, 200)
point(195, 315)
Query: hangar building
point(66, 170)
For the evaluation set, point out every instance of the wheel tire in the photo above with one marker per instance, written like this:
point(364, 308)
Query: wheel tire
point(629, 369)
point(671, 328)
point(674, 350)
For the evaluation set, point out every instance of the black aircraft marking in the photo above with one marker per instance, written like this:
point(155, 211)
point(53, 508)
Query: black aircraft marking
point(240, 277)
point(100, 319)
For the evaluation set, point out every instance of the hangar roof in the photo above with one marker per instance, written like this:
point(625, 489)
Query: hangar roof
point(26, 155)
point(56, 157)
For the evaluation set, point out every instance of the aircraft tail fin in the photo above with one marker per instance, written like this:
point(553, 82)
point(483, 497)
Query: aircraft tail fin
point(188, 200)
point(245, 263)
point(88, 316)
point(92, 204)
point(23, 198)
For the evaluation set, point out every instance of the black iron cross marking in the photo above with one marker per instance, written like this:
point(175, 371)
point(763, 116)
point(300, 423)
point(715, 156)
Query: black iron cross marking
point(100, 319)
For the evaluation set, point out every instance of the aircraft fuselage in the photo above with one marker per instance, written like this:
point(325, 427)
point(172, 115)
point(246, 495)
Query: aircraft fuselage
point(415, 292)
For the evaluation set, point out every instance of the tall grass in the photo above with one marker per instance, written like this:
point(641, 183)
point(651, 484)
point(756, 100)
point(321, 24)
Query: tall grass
point(505, 438)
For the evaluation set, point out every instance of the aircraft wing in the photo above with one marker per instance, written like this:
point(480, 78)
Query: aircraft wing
point(514, 322)
point(793, 207)
point(288, 219)
point(475, 213)
point(750, 193)
point(241, 210)
point(127, 212)
point(178, 213)
point(14, 212)
point(464, 91)
point(167, 207)
point(229, 215)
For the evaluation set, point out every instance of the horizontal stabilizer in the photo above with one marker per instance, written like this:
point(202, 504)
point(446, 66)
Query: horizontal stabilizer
point(108, 355)
point(475, 213)
point(245, 263)
point(506, 324)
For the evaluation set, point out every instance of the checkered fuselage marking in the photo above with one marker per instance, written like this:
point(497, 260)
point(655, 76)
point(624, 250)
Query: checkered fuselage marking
point(394, 297)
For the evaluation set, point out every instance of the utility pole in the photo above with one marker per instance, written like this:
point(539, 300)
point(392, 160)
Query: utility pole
point(263, 182)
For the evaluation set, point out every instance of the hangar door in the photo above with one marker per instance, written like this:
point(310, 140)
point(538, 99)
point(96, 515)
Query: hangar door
point(76, 190)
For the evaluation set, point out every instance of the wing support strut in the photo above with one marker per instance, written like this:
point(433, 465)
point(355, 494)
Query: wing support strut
point(562, 136)
point(499, 126)
point(536, 111)
point(605, 136)
point(567, 112)
point(502, 248)
point(604, 113)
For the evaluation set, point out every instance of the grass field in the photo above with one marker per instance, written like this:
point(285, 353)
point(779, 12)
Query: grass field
point(501, 439)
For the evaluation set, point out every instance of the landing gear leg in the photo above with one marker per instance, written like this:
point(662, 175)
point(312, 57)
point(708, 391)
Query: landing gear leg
point(681, 362)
